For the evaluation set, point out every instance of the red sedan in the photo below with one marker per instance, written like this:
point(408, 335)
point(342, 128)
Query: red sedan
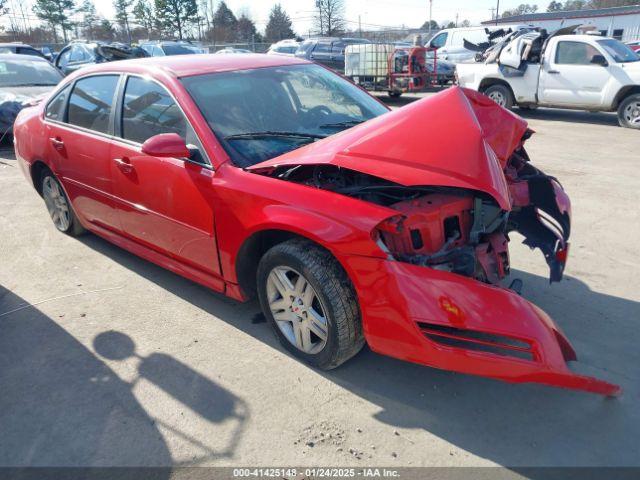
point(272, 176)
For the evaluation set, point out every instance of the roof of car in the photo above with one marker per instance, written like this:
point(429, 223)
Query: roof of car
point(18, 56)
point(188, 65)
point(17, 44)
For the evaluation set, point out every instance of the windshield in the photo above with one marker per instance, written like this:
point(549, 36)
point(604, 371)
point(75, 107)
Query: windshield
point(620, 52)
point(15, 73)
point(178, 49)
point(262, 113)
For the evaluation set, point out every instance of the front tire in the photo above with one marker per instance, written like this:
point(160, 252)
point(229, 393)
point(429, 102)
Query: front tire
point(59, 206)
point(501, 94)
point(629, 112)
point(310, 303)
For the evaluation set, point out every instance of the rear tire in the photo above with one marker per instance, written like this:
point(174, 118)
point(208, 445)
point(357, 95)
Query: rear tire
point(500, 94)
point(59, 206)
point(304, 287)
point(629, 112)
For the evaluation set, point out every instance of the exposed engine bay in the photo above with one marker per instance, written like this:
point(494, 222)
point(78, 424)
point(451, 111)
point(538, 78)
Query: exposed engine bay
point(452, 229)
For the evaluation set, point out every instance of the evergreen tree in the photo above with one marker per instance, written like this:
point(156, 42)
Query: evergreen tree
point(143, 14)
point(121, 8)
point(175, 16)
point(224, 23)
point(56, 13)
point(279, 25)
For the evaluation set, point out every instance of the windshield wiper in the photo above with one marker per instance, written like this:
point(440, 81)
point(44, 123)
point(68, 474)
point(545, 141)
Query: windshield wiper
point(348, 123)
point(269, 134)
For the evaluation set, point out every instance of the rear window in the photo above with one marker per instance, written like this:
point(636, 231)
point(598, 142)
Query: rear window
point(91, 102)
point(14, 73)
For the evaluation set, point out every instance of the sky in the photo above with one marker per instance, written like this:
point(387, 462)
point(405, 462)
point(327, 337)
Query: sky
point(373, 13)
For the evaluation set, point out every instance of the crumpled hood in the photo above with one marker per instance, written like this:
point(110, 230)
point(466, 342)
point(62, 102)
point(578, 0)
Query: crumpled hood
point(457, 138)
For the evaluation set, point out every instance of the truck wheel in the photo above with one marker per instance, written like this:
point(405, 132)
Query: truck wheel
point(310, 303)
point(59, 206)
point(500, 94)
point(629, 112)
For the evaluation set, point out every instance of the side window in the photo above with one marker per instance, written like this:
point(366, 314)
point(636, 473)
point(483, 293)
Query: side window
point(55, 108)
point(91, 102)
point(148, 110)
point(28, 51)
point(439, 40)
point(338, 48)
point(322, 47)
point(575, 53)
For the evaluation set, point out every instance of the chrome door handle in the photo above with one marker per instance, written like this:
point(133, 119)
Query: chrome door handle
point(124, 164)
point(553, 72)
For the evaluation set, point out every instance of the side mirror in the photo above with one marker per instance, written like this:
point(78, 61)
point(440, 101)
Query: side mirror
point(166, 145)
point(599, 60)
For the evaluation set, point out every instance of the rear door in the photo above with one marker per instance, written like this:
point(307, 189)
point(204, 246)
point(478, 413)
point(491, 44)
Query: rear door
point(568, 78)
point(164, 204)
point(80, 144)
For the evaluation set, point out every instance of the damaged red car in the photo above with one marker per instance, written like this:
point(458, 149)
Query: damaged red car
point(274, 177)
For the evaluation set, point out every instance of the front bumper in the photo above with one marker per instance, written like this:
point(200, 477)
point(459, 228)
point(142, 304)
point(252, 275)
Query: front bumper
point(451, 322)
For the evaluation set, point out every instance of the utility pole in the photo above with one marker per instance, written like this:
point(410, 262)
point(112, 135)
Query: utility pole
point(497, 11)
point(319, 7)
point(430, 16)
point(456, 20)
point(360, 26)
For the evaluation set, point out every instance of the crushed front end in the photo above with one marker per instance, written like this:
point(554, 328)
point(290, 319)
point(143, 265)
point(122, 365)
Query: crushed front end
point(435, 295)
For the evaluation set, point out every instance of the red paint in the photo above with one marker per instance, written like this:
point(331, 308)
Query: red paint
point(194, 220)
point(166, 145)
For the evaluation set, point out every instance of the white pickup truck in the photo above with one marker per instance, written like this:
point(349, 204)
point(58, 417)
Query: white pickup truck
point(582, 72)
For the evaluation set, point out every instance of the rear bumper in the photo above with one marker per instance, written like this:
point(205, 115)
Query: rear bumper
point(455, 323)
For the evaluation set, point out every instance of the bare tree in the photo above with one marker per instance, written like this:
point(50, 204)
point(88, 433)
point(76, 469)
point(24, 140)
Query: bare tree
point(330, 18)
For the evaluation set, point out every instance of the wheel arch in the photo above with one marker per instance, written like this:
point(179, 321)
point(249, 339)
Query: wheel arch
point(254, 247)
point(623, 93)
point(36, 170)
point(491, 81)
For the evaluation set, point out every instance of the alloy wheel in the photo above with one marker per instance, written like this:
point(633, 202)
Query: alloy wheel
point(632, 113)
point(498, 97)
point(56, 203)
point(297, 310)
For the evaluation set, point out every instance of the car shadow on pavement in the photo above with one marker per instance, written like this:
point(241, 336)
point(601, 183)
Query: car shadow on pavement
point(569, 116)
point(60, 405)
point(509, 424)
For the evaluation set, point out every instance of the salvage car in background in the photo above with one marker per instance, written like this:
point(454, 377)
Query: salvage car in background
point(21, 49)
point(24, 80)
point(82, 54)
point(327, 50)
point(582, 72)
point(284, 47)
point(335, 211)
point(164, 48)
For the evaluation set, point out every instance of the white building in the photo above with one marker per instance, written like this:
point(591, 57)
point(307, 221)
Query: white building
point(622, 23)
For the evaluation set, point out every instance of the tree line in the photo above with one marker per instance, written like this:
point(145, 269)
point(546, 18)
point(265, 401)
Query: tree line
point(61, 20)
point(558, 6)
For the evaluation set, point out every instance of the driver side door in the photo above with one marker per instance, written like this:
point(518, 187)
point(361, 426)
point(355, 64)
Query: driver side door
point(164, 204)
point(569, 78)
